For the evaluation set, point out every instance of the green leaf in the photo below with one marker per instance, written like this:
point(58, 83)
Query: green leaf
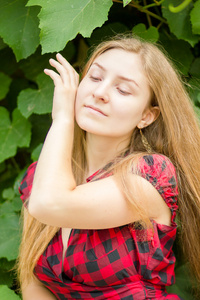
point(126, 2)
point(37, 101)
point(2, 44)
point(68, 19)
point(6, 265)
point(107, 30)
point(6, 274)
point(13, 134)
point(9, 207)
point(19, 27)
point(7, 294)
point(8, 61)
point(21, 129)
point(4, 85)
point(195, 68)
point(6, 277)
point(179, 23)
point(194, 90)
point(183, 283)
point(10, 237)
point(6, 208)
point(36, 63)
point(2, 167)
point(150, 34)
point(36, 152)
point(8, 193)
point(40, 127)
point(179, 51)
point(195, 18)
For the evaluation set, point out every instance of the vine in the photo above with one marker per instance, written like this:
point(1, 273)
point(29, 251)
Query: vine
point(179, 8)
point(144, 9)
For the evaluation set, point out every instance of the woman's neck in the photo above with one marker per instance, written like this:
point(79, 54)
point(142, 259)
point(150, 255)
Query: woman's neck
point(100, 150)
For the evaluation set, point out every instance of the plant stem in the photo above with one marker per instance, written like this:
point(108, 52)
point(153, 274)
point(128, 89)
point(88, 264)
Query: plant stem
point(157, 3)
point(141, 9)
point(148, 17)
point(177, 9)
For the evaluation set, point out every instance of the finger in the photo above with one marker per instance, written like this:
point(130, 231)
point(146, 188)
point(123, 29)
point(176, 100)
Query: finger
point(64, 73)
point(54, 76)
point(74, 76)
point(63, 61)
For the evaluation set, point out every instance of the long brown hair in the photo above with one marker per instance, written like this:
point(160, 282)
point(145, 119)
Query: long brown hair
point(175, 134)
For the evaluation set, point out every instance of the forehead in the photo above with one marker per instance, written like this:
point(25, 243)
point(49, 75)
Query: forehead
point(121, 62)
point(119, 57)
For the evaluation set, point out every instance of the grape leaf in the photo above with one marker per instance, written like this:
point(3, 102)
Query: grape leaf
point(9, 227)
point(150, 34)
point(7, 294)
point(8, 61)
point(8, 193)
point(126, 2)
point(68, 19)
point(6, 277)
point(13, 134)
point(19, 27)
point(179, 23)
point(35, 64)
point(106, 31)
point(4, 85)
point(37, 101)
point(195, 18)
point(195, 68)
point(2, 44)
point(36, 152)
point(194, 90)
point(179, 51)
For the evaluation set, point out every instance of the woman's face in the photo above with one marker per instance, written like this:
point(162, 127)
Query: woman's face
point(113, 98)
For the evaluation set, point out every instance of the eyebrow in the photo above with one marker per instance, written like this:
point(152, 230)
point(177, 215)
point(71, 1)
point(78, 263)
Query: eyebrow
point(120, 77)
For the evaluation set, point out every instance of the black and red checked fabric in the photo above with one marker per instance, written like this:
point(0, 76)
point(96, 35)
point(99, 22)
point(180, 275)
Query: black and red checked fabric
point(114, 263)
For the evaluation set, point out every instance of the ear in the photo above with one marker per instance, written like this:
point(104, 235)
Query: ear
point(149, 116)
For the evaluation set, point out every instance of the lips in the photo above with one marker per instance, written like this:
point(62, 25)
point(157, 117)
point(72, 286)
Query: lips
point(95, 109)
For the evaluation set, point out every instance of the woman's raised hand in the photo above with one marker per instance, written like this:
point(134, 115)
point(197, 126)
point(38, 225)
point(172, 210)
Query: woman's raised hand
point(66, 82)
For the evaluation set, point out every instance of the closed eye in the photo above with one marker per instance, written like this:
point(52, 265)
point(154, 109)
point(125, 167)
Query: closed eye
point(123, 92)
point(94, 78)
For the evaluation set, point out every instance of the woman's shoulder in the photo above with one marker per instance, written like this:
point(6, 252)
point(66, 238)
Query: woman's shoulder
point(157, 164)
point(160, 172)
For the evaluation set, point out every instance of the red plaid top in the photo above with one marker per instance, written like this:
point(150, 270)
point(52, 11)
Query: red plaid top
point(114, 263)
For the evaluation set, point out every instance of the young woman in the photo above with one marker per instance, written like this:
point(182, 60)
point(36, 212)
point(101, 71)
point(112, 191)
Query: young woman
point(116, 175)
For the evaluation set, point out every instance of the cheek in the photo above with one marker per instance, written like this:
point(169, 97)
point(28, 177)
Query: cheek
point(129, 114)
point(128, 111)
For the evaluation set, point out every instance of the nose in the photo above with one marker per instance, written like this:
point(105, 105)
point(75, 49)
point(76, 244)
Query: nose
point(101, 92)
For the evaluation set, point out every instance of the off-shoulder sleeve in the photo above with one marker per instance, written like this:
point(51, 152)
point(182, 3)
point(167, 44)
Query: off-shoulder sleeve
point(161, 173)
point(27, 182)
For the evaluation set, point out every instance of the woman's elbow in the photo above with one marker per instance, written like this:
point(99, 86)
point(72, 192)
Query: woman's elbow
point(37, 206)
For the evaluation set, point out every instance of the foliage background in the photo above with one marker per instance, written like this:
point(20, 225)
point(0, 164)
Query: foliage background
point(33, 31)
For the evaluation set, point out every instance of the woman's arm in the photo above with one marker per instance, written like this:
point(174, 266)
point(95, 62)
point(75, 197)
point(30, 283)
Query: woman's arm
point(35, 290)
point(57, 150)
